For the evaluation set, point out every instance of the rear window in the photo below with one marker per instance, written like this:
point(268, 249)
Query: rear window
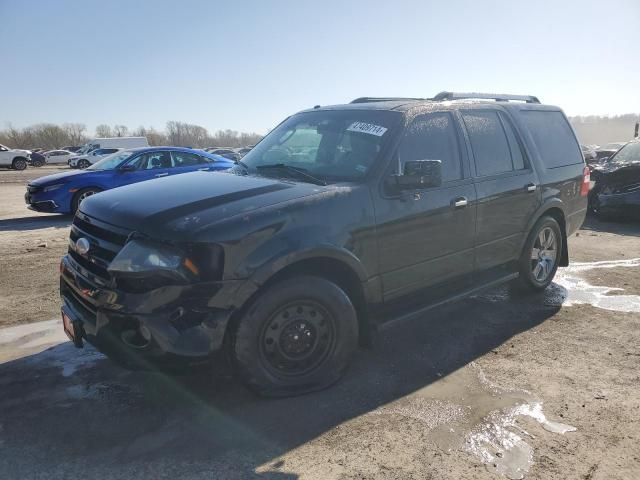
point(553, 138)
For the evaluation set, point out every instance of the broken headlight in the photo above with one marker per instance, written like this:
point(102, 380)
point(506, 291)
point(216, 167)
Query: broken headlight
point(143, 260)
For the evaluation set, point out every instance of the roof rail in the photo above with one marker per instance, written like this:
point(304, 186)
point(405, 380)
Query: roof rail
point(382, 99)
point(498, 97)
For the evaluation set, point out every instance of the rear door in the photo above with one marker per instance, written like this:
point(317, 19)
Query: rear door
point(507, 188)
point(426, 236)
point(188, 162)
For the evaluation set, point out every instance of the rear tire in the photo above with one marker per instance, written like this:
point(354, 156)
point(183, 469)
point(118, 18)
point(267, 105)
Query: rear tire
point(19, 163)
point(540, 256)
point(81, 195)
point(297, 336)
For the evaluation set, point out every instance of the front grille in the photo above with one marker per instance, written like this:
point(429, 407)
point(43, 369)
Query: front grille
point(105, 241)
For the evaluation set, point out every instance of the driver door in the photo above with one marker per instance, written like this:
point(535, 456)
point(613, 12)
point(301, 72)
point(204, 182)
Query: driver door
point(426, 236)
point(148, 166)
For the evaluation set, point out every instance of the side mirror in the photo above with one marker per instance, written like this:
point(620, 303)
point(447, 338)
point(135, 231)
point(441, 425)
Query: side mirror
point(418, 174)
point(126, 168)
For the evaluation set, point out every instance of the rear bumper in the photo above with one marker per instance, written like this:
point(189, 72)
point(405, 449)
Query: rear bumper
point(169, 327)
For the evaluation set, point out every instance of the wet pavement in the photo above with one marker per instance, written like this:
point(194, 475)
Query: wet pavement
point(433, 396)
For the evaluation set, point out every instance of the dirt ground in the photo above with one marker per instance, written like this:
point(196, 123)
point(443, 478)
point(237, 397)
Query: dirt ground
point(495, 386)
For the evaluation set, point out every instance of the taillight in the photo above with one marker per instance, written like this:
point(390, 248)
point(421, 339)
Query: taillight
point(586, 182)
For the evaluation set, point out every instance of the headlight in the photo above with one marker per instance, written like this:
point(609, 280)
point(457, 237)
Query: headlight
point(167, 264)
point(51, 188)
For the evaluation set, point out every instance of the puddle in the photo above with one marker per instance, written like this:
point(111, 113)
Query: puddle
point(50, 343)
point(467, 412)
point(569, 288)
point(575, 290)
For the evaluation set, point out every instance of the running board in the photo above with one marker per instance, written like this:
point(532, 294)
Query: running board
point(467, 293)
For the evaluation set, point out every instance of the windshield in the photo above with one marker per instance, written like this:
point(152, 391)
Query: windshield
point(112, 161)
point(330, 145)
point(627, 154)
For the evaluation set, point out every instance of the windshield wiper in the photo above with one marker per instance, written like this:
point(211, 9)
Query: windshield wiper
point(299, 172)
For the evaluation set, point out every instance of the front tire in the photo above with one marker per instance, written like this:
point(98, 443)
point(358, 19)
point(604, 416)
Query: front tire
point(298, 336)
point(81, 195)
point(84, 164)
point(19, 164)
point(541, 255)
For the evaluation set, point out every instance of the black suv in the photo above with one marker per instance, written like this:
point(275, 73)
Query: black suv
point(341, 219)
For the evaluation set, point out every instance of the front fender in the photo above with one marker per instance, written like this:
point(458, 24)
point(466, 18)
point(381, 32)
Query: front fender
point(277, 255)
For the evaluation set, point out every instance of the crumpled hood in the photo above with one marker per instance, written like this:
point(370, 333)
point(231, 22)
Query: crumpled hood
point(616, 174)
point(199, 199)
point(58, 177)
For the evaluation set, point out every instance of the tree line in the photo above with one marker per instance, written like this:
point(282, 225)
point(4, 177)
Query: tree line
point(600, 129)
point(50, 136)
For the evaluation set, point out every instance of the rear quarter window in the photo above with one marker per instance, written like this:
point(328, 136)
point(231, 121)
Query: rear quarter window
point(553, 138)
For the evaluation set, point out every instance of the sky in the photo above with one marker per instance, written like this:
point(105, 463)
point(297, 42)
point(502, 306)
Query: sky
point(246, 65)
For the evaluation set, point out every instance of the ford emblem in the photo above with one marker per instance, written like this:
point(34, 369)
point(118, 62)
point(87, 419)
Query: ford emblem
point(82, 246)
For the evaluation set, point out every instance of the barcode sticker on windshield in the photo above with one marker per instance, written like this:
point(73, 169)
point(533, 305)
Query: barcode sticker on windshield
point(369, 128)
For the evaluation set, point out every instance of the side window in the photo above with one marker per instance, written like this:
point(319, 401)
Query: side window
point(489, 142)
point(516, 150)
point(433, 137)
point(152, 160)
point(186, 159)
point(553, 137)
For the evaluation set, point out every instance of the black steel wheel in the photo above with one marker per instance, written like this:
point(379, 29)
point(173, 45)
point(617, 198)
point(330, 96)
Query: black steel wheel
point(297, 336)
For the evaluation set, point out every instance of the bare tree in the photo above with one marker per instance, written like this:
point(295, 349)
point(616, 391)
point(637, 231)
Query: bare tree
point(103, 131)
point(75, 133)
point(120, 130)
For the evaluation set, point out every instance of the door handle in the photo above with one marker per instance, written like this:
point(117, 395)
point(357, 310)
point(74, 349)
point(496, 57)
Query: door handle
point(162, 174)
point(531, 187)
point(460, 202)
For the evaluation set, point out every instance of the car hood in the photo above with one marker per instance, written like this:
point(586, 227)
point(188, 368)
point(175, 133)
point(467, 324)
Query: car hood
point(617, 174)
point(161, 208)
point(61, 177)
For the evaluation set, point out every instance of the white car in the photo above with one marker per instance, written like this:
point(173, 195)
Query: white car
point(83, 161)
point(14, 158)
point(54, 157)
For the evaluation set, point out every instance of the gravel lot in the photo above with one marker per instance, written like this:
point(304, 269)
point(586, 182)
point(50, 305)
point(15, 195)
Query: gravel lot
point(484, 388)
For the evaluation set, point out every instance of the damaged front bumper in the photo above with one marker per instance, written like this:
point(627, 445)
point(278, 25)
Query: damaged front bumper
point(621, 202)
point(172, 326)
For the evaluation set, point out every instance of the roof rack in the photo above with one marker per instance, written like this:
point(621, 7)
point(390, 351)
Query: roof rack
point(498, 97)
point(382, 99)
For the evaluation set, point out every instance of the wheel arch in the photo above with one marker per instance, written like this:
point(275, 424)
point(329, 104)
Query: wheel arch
point(341, 268)
point(554, 209)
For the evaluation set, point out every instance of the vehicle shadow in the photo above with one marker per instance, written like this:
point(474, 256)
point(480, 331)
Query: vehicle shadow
point(35, 222)
point(101, 421)
point(623, 225)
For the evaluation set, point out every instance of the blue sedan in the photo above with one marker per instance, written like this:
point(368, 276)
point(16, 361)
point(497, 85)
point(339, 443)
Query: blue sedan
point(63, 192)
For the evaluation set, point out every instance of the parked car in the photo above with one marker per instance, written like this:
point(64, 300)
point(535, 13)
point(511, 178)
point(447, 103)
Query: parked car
point(605, 151)
point(286, 263)
point(14, 158)
point(55, 157)
point(86, 160)
point(36, 159)
point(71, 148)
point(589, 153)
point(113, 142)
point(225, 152)
point(617, 183)
point(63, 192)
point(243, 151)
